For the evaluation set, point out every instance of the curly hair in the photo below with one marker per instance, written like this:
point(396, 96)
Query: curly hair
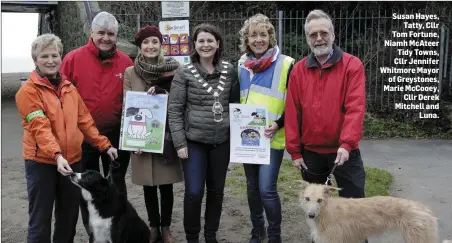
point(254, 22)
point(45, 41)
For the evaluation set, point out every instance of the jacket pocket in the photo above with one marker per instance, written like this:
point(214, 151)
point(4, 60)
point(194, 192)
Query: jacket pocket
point(36, 150)
point(39, 153)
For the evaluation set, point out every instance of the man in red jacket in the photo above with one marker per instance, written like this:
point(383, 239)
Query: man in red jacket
point(325, 109)
point(97, 70)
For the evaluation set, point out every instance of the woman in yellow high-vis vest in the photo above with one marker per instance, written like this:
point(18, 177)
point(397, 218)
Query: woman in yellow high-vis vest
point(263, 73)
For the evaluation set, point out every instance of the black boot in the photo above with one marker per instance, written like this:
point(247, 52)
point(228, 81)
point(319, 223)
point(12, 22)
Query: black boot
point(274, 240)
point(210, 237)
point(258, 235)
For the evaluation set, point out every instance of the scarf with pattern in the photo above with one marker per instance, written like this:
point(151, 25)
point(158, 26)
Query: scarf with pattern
point(261, 64)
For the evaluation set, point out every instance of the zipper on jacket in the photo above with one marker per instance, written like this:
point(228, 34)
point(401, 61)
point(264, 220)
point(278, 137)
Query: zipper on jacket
point(36, 151)
point(65, 131)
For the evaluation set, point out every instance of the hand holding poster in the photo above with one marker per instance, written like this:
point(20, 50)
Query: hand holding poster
point(248, 143)
point(143, 122)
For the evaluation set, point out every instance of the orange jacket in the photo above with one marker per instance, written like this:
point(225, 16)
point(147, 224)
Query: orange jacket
point(55, 121)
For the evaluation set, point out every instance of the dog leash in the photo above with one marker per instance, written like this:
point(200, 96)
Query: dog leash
point(110, 170)
point(328, 178)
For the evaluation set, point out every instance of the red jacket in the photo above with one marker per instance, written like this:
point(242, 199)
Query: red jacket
point(100, 83)
point(325, 105)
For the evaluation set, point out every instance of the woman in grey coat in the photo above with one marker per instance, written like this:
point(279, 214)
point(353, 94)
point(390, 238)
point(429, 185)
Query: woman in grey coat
point(199, 121)
point(154, 73)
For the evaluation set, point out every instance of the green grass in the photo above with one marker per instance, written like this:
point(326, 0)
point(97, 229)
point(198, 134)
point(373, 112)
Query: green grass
point(378, 128)
point(378, 181)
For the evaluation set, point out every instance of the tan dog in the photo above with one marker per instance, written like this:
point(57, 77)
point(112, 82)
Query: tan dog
point(343, 220)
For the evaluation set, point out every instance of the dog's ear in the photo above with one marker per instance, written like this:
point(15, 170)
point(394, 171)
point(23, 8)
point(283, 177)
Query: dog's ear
point(131, 111)
point(329, 190)
point(302, 183)
point(149, 114)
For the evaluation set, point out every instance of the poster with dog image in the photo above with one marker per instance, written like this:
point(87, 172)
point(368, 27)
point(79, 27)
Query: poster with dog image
point(143, 122)
point(248, 143)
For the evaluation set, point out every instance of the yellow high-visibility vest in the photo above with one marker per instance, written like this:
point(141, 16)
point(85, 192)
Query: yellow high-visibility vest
point(264, 90)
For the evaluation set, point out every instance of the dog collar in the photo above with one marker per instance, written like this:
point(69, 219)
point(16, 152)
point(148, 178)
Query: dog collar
point(137, 123)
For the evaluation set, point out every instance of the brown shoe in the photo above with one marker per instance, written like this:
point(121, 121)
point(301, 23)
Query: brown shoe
point(155, 235)
point(166, 235)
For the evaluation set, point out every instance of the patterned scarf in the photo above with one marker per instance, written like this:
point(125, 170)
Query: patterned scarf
point(150, 73)
point(261, 64)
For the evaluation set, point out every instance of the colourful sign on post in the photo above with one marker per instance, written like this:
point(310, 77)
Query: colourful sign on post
point(176, 41)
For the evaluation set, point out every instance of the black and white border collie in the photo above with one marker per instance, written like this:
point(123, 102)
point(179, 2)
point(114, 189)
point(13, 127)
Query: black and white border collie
point(112, 218)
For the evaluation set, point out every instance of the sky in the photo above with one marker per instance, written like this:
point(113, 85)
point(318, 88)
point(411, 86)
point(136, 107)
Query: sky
point(18, 32)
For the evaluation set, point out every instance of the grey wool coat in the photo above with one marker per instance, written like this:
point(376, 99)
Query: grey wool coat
point(149, 169)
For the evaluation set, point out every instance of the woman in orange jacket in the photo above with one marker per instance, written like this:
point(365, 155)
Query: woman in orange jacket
point(55, 122)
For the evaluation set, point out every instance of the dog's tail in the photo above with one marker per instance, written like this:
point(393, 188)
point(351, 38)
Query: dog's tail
point(147, 134)
point(418, 225)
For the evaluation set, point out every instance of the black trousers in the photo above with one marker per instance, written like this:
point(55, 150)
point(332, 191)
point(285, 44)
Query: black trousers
point(156, 217)
point(90, 161)
point(46, 186)
point(350, 176)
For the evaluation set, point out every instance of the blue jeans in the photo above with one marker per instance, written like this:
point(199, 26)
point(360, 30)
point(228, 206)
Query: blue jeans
point(207, 165)
point(261, 181)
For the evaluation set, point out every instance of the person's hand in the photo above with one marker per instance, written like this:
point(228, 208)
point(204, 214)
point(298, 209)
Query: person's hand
point(342, 156)
point(299, 163)
point(270, 131)
point(63, 166)
point(156, 90)
point(182, 153)
point(138, 152)
point(113, 153)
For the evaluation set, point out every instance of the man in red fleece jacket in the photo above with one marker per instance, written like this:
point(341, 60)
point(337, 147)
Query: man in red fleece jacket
point(97, 71)
point(325, 109)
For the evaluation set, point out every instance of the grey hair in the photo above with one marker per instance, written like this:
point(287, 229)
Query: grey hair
point(317, 14)
point(105, 20)
point(253, 22)
point(45, 41)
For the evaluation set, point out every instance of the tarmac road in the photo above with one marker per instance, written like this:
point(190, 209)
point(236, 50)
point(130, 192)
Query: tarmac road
point(422, 169)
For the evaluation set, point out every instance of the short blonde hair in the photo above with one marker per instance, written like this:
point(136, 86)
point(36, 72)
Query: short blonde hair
point(251, 23)
point(317, 14)
point(45, 41)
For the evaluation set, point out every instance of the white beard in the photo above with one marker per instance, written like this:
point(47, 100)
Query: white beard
point(322, 50)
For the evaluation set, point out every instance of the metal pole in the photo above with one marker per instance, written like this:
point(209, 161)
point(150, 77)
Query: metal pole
point(138, 22)
point(280, 32)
